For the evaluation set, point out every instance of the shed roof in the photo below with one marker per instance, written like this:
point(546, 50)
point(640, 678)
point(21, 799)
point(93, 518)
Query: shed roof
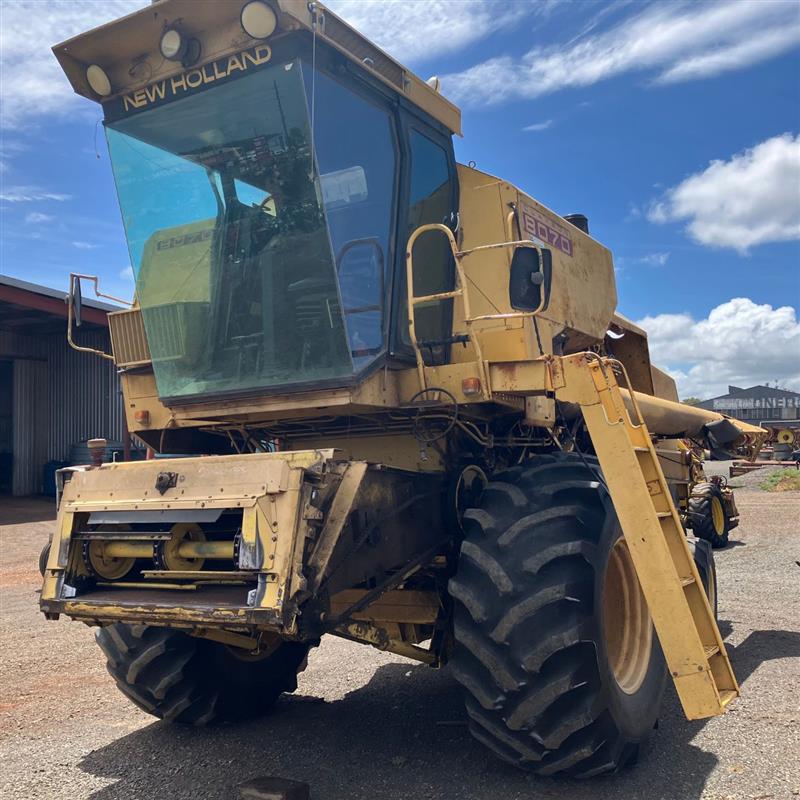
point(30, 308)
point(753, 393)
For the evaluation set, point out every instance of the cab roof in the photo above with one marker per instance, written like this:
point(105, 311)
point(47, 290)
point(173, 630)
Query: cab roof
point(128, 48)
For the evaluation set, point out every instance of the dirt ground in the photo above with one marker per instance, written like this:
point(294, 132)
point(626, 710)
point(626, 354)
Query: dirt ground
point(364, 724)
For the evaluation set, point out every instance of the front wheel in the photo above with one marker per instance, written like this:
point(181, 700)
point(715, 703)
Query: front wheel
point(180, 678)
point(707, 516)
point(44, 557)
point(555, 648)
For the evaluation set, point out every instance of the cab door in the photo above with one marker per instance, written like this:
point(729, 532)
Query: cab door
point(429, 195)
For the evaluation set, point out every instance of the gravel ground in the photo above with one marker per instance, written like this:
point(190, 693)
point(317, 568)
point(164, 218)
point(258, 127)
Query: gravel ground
point(369, 725)
point(748, 480)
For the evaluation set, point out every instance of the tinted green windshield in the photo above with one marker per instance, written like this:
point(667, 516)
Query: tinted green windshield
point(251, 271)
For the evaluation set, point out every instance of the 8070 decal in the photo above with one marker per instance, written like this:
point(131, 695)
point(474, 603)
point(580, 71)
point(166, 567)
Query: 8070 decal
point(534, 225)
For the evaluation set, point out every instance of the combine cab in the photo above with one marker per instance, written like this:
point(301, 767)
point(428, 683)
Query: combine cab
point(408, 412)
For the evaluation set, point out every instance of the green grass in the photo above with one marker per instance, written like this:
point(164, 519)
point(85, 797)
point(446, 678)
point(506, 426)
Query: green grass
point(782, 480)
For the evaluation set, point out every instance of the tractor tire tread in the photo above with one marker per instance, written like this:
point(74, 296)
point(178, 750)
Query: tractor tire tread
point(700, 515)
point(524, 654)
point(183, 679)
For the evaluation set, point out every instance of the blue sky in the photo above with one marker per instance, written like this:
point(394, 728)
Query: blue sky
point(675, 127)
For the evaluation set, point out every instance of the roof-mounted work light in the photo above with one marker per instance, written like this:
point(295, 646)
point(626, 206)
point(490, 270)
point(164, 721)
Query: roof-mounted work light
point(172, 44)
point(175, 45)
point(98, 79)
point(258, 19)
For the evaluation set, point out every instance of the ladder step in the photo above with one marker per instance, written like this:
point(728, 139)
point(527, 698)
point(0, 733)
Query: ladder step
point(657, 542)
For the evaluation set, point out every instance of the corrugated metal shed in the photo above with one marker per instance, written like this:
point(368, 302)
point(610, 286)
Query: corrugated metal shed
point(30, 424)
point(85, 388)
point(59, 396)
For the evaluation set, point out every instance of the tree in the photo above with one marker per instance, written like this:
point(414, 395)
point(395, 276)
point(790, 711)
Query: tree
point(691, 401)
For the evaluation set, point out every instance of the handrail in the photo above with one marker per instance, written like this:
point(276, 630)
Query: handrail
point(459, 291)
point(462, 292)
point(510, 314)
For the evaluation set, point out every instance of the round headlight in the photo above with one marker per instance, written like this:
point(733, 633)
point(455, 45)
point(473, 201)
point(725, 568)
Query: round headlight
point(98, 80)
point(258, 19)
point(172, 44)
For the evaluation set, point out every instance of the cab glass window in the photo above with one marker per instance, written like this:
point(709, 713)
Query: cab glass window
point(430, 201)
point(356, 158)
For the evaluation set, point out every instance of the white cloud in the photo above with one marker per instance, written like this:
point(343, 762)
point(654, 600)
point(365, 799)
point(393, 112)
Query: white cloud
point(649, 259)
point(679, 41)
point(30, 194)
point(8, 148)
point(419, 31)
point(36, 217)
point(634, 213)
point(737, 55)
point(655, 259)
point(739, 343)
point(539, 126)
point(85, 246)
point(126, 274)
point(751, 199)
point(33, 83)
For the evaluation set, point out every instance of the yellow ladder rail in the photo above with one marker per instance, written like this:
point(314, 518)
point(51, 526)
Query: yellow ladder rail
point(671, 584)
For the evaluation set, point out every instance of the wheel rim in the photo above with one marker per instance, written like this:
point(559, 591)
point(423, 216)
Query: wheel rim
point(626, 621)
point(717, 516)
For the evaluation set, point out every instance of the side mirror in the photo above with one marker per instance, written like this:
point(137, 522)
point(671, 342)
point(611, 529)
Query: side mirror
point(75, 299)
point(530, 279)
point(74, 306)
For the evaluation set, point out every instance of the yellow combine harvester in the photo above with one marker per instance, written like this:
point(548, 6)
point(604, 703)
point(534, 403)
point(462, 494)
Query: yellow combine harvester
point(407, 410)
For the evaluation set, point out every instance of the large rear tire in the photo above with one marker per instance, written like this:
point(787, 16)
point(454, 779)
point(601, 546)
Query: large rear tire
point(554, 644)
point(180, 678)
point(707, 515)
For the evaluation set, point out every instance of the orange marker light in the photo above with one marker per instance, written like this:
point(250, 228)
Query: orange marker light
point(142, 417)
point(471, 386)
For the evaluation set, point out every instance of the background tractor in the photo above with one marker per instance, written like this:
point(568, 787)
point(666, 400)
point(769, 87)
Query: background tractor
point(407, 409)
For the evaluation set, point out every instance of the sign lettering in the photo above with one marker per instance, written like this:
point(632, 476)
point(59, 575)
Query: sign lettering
point(180, 241)
point(536, 226)
point(170, 88)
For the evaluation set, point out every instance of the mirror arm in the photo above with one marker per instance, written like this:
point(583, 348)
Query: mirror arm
point(74, 279)
point(95, 282)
